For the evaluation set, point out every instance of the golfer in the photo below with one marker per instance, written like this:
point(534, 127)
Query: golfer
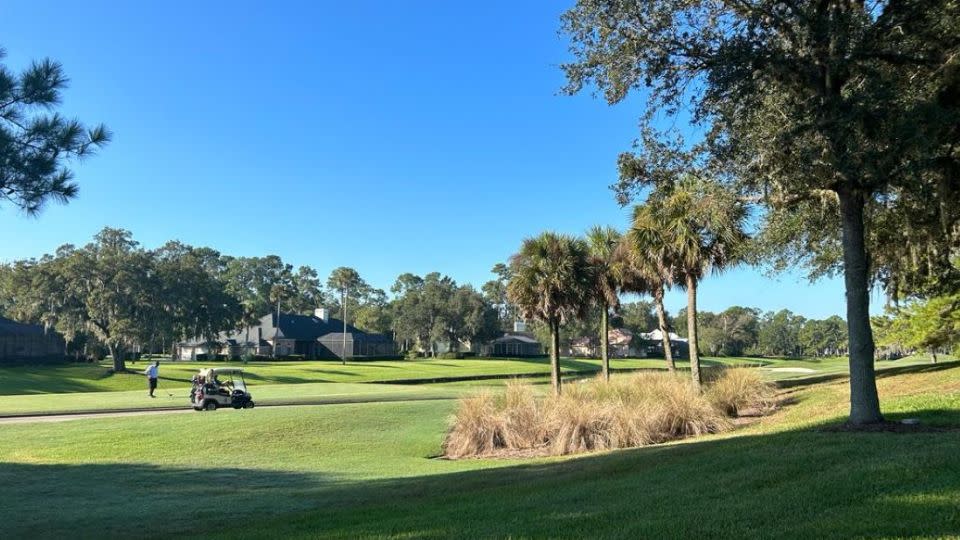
point(151, 373)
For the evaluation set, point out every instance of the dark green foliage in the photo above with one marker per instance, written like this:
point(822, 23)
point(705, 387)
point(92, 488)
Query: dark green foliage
point(36, 143)
point(122, 295)
point(848, 111)
point(434, 309)
point(552, 282)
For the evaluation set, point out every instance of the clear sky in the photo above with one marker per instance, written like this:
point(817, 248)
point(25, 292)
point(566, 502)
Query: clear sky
point(384, 135)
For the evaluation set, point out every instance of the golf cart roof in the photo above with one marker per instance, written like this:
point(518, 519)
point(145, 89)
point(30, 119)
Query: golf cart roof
point(212, 372)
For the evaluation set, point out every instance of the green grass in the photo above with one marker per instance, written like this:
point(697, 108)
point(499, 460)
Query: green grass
point(263, 395)
point(90, 387)
point(366, 470)
point(100, 378)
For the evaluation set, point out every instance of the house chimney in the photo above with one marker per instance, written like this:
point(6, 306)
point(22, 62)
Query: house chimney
point(519, 326)
point(322, 314)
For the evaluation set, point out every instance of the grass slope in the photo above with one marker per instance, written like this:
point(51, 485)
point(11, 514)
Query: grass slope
point(364, 470)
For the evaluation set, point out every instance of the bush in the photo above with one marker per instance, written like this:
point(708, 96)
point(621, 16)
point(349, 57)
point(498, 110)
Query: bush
point(451, 356)
point(736, 390)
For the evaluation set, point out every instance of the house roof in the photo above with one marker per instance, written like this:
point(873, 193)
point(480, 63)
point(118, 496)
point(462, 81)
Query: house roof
point(516, 338)
point(13, 328)
point(356, 336)
point(295, 327)
point(657, 335)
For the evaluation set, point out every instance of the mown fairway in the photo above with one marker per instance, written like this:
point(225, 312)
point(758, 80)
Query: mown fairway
point(94, 387)
point(368, 470)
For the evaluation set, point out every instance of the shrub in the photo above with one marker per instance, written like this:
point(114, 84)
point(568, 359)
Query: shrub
point(738, 389)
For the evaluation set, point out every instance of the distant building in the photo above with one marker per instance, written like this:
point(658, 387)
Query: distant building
point(584, 346)
point(28, 342)
point(650, 344)
point(313, 337)
point(622, 343)
point(518, 343)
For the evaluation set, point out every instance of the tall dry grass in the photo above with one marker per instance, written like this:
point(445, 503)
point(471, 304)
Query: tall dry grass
point(739, 389)
point(628, 411)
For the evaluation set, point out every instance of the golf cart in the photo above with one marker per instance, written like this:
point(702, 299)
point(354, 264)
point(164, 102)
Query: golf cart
point(220, 387)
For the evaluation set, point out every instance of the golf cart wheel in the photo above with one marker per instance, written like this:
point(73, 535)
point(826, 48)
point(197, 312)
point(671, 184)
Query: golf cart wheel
point(210, 406)
point(248, 405)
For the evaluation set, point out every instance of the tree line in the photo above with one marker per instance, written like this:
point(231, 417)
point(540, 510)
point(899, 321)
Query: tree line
point(744, 331)
point(116, 295)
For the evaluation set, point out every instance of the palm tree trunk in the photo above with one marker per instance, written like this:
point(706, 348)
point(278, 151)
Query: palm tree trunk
point(605, 343)
point(692, 331)
point(864, 401)
point(664, 329)
point(343, 348)
point(555, 356)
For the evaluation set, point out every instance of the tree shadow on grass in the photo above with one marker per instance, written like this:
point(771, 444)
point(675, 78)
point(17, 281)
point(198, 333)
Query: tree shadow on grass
point(277, 379)
point(800, 483)
point(122, 500)
point(881, 373)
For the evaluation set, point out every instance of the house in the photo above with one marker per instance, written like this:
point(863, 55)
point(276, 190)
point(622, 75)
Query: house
point(650, 344)
point(518, 343)
point(310, 336)
point(515, 345)
point(584, 347)
point(622, 343)
point(619, 343)
point(28, 343)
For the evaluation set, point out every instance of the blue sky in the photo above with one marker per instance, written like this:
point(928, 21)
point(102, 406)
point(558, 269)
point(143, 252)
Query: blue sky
point(387, 136)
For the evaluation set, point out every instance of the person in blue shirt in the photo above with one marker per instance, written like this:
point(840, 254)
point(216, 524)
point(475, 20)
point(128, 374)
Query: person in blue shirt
point(151, 372)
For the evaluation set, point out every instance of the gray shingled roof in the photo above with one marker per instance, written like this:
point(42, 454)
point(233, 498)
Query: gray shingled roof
point(13, 328)
point(296, 327)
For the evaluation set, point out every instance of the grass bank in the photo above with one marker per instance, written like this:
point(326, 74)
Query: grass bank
point(368, 470)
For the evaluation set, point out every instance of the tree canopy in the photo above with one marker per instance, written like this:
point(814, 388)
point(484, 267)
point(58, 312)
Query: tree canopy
point(840, 118)
point(36, 143)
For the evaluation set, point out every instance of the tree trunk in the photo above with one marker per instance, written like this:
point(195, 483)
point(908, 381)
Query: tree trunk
point(343, 348)
point(117, 353)
point(664, 329)
point(864, 402)
point(555, 356)
point(692, 331)
point(605, 343)
point(933, 355)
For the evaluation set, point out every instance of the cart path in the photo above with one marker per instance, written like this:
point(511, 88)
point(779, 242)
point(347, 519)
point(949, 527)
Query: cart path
point(118, 413)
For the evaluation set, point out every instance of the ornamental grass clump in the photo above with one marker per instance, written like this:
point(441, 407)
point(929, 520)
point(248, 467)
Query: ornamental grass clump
point(477, 427)
point(629, 411)
point(736, 390)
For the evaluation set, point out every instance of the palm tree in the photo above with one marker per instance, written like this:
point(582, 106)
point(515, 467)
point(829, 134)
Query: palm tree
point(603, 242)
point(701, 226)
point(551, 282)
point(645, 270)
point(344, 279)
